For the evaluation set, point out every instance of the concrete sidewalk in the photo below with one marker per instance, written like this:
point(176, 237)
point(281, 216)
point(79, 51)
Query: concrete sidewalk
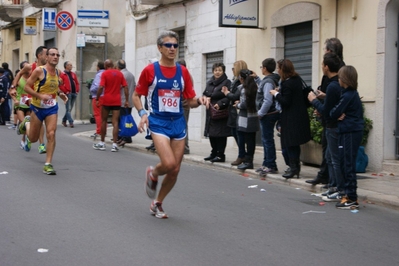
point(373, 188)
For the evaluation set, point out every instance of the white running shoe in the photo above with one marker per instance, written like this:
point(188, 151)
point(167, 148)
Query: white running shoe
point(157, 210)
point(114, 148)
point(99, 146)
point(150, 183)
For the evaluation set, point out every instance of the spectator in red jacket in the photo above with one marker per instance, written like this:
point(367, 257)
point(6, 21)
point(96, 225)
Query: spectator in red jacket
point(70, 86)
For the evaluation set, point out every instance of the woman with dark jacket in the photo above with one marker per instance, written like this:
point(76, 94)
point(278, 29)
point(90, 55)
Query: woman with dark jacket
point(217, 129)
point(349, 112)
point(248, 121)
point(233, 94)
point(294, 120)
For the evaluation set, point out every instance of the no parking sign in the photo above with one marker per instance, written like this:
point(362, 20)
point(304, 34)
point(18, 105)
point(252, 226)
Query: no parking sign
point(64, 20)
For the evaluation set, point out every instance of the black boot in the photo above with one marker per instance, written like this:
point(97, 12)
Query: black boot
point(246, 165)
point(219, 159)
point(295, 169)
point(210, 157)
point(317, 180)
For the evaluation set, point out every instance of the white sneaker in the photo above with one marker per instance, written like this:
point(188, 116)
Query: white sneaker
point(157, 210)
point(114, 148)
point(99, 146)
point(337, 196)
point(22, 145)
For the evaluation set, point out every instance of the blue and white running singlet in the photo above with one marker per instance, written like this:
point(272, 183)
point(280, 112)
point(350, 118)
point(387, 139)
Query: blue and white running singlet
point(165, 94)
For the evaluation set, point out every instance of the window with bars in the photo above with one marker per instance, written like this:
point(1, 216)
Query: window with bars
point(181, 51)
point(17, 32)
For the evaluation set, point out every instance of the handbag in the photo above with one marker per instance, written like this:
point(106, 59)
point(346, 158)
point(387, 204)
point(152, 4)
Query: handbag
point(127, 126)
point(306, 90)
point(218, 114)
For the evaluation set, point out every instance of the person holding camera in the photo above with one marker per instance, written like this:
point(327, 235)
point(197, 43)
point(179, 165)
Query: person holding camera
point(294, 119)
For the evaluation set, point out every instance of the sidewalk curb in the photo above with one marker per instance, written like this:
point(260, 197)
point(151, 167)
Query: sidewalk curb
point(365, 197)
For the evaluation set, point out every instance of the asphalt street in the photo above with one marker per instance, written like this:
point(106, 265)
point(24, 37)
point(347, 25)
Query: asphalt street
point(95, 212)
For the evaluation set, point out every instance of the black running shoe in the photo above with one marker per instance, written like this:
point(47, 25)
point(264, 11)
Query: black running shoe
point(347, 204)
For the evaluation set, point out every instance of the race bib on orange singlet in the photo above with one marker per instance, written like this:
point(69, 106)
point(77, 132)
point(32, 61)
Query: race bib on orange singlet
point(48, 103)
point(169, 100)
point(25, 99)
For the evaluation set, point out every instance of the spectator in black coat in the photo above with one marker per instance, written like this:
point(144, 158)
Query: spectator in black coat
point(294, 120)
point(217, 130)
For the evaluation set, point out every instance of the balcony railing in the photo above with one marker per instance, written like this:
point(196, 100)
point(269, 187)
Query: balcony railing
point(45, 3)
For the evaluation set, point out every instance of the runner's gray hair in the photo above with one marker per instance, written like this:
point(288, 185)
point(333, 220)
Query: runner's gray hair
point(164, 34)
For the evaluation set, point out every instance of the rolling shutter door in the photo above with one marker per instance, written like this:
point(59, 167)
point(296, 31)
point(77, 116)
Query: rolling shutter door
point(298, 48)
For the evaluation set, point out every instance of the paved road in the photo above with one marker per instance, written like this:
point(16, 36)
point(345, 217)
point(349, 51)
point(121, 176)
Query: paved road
point(95, 212)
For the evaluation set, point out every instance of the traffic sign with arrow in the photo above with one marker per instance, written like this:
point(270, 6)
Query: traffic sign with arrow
point(93, 18)
point(104, 14)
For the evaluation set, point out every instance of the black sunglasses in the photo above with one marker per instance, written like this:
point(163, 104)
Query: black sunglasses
point(169, 45)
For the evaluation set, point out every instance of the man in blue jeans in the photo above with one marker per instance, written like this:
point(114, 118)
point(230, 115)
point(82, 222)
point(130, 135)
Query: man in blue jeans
point(70, 86)
point(269, 114)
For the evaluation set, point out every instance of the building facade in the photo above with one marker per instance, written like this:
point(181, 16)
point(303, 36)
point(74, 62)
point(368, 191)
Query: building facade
point(291, 29)
point(105, 35)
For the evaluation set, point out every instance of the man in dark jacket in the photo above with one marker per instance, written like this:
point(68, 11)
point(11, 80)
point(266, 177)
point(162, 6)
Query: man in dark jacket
point(330, 66)
point(331, 45)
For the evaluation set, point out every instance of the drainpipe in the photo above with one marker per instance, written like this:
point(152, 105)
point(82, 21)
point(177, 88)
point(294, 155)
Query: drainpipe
point(354, 9)
point(336, 18)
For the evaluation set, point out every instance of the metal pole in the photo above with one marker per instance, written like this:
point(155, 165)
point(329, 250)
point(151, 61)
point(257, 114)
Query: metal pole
point(81, 82)
point(106, 47)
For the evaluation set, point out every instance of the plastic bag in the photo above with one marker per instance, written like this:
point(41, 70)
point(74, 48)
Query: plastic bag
point(362, 160)
point(127, 126)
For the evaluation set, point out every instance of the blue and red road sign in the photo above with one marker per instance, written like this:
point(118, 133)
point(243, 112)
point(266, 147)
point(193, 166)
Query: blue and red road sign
point(64, 20)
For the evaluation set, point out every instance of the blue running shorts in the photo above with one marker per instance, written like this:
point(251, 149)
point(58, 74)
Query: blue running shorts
point(42, 113)
point(172, 128)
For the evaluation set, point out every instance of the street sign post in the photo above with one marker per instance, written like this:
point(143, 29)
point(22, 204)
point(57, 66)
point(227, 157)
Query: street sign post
point(80, 40)
point(30, 26)
point(64, 20)
point(93, 18)
point(95, 38)
point(48, 23)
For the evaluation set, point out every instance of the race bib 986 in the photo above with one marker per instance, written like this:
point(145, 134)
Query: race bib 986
point(169, 100)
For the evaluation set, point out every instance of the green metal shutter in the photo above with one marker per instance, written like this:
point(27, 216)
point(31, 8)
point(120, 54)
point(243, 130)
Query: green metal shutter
point(298, 48)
